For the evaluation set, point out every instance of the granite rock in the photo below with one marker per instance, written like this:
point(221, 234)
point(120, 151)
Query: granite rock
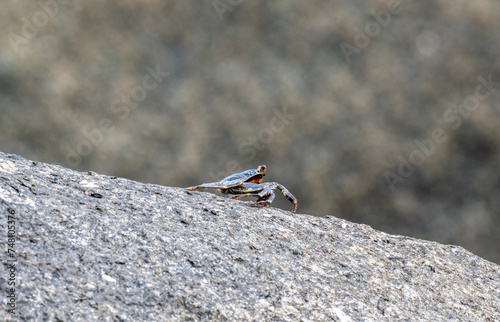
point(93, 247)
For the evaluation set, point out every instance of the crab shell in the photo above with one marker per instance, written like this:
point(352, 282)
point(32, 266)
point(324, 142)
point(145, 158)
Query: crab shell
point(252, 175)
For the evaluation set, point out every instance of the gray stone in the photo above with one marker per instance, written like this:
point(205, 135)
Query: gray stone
point(94, 247)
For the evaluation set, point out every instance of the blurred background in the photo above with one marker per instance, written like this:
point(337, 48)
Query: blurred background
point(380, 112)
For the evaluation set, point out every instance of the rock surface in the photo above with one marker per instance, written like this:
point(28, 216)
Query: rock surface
point(94, 247)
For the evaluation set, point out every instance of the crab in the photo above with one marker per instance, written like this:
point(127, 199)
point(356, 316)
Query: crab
point(248, 184)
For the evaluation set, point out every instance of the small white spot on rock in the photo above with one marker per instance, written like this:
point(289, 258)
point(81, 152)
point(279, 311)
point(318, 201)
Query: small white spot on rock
point(107, 278)
point(341, 315)
point(86, 184)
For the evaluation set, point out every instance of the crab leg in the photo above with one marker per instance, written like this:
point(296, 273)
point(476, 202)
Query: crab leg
point(264, 200)
point(284, 191)
point(266, 196)
point(217, 185)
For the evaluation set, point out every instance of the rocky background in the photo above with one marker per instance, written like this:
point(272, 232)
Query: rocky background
point(380, 112)
point(91, 247)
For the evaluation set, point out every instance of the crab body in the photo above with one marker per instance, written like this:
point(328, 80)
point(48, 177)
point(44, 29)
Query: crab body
point(248, 184)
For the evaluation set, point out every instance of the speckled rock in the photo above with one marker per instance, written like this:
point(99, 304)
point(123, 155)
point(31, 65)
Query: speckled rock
point(92, 247)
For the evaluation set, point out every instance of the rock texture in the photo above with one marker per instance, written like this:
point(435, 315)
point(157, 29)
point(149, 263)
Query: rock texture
point(94, 247)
